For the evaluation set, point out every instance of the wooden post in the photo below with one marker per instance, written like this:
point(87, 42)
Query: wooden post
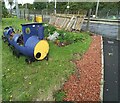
point(88, 21)
point(17, 9)
point(20, 14)
point(28, 15)
point(34, 15)
point(24, 13)
point(118, 37)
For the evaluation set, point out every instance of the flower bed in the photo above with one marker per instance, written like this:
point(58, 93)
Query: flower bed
point(64, 38)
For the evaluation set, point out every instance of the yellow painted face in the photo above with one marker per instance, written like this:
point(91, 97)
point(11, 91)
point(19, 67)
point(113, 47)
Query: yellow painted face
point(41, 50)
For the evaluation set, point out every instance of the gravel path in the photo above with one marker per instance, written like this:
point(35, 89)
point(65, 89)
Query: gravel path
point(84, 85)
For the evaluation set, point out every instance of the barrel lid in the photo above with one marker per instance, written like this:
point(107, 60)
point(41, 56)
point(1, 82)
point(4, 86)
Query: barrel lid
point(41, 50)
point(33, 23)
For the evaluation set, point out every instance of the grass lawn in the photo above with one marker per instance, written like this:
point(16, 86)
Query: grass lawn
point(0, 64)
point(38, 80)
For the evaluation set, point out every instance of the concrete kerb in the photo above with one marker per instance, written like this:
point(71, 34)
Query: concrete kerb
point(102, 72)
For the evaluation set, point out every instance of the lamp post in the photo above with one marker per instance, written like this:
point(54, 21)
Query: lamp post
point(68, 6)
point(34, 15)
point(97, 8)
point(55, 6)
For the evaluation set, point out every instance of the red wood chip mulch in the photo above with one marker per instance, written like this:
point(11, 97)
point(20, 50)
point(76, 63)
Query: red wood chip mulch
point(84, 85)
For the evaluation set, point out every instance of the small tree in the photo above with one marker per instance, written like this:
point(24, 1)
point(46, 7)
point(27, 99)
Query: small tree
point(5, 13)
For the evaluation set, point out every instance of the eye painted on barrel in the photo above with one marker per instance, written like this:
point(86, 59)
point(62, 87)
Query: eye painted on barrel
point(27, 30)
point(38, 55)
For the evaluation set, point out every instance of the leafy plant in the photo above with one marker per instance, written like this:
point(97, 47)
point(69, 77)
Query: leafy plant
point(64, 37)
point(46, 32)
point(51, 29)
point(59, 95)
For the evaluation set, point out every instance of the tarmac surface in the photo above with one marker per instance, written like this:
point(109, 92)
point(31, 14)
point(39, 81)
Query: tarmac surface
point(111, 70)
point(111, 49)
point(104, 29)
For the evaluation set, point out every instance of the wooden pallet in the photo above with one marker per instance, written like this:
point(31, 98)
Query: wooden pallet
point(59, 22)
point(62, 23)
point(79, 23)
point(74, 24)
point(52, 20)
point(67, 22)
point(70, 23)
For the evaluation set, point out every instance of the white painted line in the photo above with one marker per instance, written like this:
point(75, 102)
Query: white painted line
point(102, 71)
point(111, 42)
point(102, 22)
point(106, 20)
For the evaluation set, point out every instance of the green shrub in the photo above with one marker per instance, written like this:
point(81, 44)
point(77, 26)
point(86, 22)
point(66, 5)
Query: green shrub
point(5, 13)
point(51, 29)
point(64, 36)
point(59, 95)
point(70, 37)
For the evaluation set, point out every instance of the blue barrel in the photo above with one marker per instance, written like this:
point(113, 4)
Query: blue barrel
point(32, 29)
point(7, 31)
point(28, 49)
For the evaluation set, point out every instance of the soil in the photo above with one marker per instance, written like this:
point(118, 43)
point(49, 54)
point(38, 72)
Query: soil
point(84, 84)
